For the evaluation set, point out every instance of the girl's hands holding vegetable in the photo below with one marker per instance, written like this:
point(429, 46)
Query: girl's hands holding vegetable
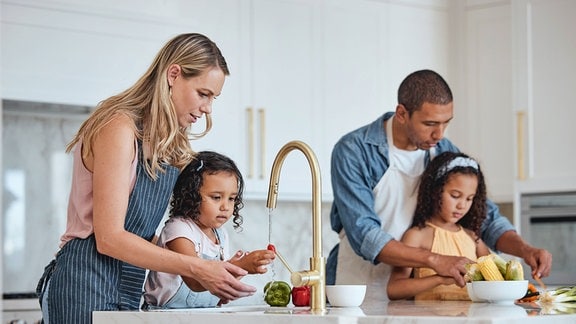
point(255, 262)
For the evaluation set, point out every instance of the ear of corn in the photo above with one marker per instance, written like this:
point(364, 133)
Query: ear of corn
point(495, 268)
point(514, 270)
point(489, 269)
point(500, 262)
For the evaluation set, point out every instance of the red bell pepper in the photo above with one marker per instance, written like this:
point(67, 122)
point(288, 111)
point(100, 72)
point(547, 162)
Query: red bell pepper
point(301, 296)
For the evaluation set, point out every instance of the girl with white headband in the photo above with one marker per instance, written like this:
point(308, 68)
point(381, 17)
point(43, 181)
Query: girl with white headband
point(449, 212)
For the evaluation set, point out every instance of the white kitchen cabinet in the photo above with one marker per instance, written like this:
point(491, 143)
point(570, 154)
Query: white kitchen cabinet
point(517, 83)
point(353, 72)
point(544, 89)
point(320, 69)
point(282, 91)
point(300, 70)
point(272, 95)
point(222, 20)
point(544, 84)
point(369, 48)
point(484, 104)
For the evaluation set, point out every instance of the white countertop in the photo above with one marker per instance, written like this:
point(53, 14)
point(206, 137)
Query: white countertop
point(433, 312)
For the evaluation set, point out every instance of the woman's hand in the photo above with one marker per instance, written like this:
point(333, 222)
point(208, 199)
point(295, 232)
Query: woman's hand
point(221, 279)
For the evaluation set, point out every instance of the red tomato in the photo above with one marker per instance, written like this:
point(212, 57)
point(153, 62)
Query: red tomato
point(272, 248)
point(301, 296)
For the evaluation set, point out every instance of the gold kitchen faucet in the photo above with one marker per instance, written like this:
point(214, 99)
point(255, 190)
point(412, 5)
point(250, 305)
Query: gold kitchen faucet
point(316, 276)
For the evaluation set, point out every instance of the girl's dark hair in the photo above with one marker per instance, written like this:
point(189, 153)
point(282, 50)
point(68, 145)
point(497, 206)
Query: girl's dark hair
point(186, 197)
point(432, 184)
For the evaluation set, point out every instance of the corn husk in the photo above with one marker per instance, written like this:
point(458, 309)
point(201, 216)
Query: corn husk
point(473, 273)
point(500, 263)
point(514, 270)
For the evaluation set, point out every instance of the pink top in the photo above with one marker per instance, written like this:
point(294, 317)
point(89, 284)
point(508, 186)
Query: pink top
point(80, 204)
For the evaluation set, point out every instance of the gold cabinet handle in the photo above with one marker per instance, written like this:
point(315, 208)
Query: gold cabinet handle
point(262, 116)
point(520, 145)
point(250, 119)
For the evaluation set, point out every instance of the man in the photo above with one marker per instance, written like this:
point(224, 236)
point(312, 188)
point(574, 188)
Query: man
point(375, 172)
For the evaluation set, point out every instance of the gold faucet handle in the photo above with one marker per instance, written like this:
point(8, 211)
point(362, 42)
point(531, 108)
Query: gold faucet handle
point(304, 278)
point(283, 261)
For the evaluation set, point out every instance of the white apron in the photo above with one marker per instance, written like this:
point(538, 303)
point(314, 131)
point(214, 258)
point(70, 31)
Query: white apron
point(395, 198)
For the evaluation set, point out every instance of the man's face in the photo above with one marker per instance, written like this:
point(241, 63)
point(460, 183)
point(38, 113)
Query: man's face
point(425, 128)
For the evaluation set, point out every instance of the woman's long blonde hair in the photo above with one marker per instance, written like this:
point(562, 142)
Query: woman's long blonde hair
point(149, 106)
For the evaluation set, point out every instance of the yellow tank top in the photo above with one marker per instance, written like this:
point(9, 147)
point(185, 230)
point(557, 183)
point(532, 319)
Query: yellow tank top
point(445, 242)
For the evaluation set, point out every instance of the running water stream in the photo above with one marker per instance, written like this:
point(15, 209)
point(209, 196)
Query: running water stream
point(271, 266)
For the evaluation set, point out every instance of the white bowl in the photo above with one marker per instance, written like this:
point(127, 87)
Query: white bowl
point(503, 292)
point(345, 295)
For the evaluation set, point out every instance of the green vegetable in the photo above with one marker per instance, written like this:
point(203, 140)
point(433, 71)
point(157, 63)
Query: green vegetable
point(277, 293)
point(514, 270)
point(473, 272)
point(500, 263)
point(560, 295)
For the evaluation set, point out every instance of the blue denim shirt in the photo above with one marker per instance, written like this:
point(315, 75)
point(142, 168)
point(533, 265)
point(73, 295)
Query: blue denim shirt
point(359, 160)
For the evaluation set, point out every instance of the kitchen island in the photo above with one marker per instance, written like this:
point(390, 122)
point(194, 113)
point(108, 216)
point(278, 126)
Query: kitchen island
point(430, 312)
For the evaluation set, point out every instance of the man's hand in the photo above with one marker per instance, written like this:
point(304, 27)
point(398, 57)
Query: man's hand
point(399, 254)
point(539, 260)
point(450, 266)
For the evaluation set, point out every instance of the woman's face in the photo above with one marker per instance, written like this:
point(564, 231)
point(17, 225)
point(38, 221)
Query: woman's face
point(193, 97)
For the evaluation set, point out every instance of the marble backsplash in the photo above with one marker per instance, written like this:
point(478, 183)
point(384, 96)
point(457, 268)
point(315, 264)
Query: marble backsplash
point(36, 173)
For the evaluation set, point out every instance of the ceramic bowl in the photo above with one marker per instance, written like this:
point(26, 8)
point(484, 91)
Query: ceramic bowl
point(502, 292)
point(345, 295)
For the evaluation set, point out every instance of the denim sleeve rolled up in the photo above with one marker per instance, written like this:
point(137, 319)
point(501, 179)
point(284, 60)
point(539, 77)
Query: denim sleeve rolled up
point(494, 226)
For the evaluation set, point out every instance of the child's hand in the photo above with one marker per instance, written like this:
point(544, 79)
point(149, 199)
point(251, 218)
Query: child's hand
point(447, 280)
point(254, 262)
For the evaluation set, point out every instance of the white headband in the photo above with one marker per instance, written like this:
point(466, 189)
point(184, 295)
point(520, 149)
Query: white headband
point(200, 166)
point(457, 162)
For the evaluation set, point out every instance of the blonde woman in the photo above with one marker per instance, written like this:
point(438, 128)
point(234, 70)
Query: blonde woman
point(127, 157)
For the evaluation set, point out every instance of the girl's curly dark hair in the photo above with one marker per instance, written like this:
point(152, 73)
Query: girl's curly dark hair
point(186, 197)
point(432, 184)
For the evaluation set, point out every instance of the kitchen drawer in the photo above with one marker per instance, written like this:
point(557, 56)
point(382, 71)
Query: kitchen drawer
point(21, 311)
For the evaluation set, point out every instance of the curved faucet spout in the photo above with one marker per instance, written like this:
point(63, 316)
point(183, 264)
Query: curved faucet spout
point(316, 277)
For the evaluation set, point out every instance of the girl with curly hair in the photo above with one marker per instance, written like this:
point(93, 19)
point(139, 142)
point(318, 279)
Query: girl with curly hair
point(207, 194)
point(449, 213)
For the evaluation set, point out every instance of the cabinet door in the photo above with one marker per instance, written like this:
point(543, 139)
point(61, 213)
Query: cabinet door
point(366, 58)
point(283, 73)
point(353, 61)
point(546, 83)
point(220, 20)
point(486, 111)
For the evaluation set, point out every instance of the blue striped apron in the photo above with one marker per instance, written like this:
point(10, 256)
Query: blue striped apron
point(81, 280)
